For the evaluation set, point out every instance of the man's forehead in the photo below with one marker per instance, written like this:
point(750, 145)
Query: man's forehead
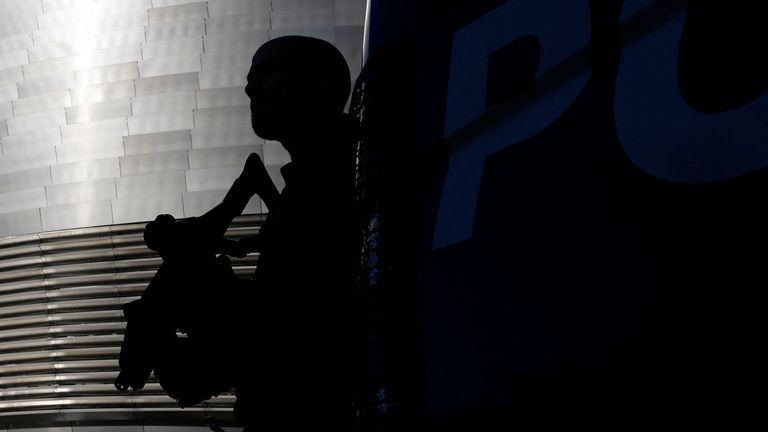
point(285, 49)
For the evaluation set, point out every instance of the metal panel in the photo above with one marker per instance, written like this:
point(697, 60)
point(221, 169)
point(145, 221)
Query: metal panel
point(110, 428)
point(180, 120)
point(101, 149)
point(22, 222)
point(170, 65)
point(232, 96)
point(163, 103)
point(223, 78)
point(26, 179)
point(122, 20)
point(157, 142)
point(237, 23)
point(126, 36)
point(149, 428)
point(16, 43)
point(238, 61)
point(211, 179)
point(326, 33)
point(42, 119)
point(160, 183)
point(178, 13)
point(9, 92)
point(302, 5)
point(64, 18)
point(99, 111)
point(303, 18)
point(163, 3)
point(22, 200)
point(18, 9)
point(11, 76)
point(349, 40)
point(154, 162)
point(14, 27)
point(81, 192)
point(48, 68)
point(103, 92)
point(6, 110)
point(60, 34)
point(46, 85)
point(94, 130)
point(275, 154)
point(36, 138)
point(223, 116)
point(176, 30)
point(76, 215)
point(112, 6)
point(87, 170)
point(221, 157)
point(172, 48)
point(167, 84)
point(276, 176)
point(243, 42)
point(147, 207)
point(34, 104)
point(54, 5)
point(350, 12)
point(12, 59)
point(240, 135)
point(108, 57)
point(107, 74)
point(57, 49)
point(234, 7)
point(25, 158)
point(197, 203)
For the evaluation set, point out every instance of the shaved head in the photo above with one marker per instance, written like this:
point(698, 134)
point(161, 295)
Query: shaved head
point(313, 64)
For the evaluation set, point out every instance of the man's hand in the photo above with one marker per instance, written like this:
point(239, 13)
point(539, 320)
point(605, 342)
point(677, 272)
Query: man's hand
point(255, 173)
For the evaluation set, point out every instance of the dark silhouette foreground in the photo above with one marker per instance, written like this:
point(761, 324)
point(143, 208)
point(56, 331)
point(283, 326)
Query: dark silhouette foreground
point(284, 339)
point(196, 293)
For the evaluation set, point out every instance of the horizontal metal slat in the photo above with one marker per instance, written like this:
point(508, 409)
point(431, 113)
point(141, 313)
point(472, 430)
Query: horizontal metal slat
point(50, 319)
point(60, 379)
point(53, 307)
point(52, 367)
point(18, 251)
point(65, 246)
point(61, 342)
point(7, 264)
point(71, 390)
point(59, 354)
point(95, 329)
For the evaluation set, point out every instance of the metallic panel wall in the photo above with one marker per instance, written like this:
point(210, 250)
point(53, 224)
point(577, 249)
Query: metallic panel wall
point(112, 111)
point(61, 327)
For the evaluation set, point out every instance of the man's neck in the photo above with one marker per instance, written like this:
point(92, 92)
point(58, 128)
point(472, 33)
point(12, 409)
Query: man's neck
point(306, 141)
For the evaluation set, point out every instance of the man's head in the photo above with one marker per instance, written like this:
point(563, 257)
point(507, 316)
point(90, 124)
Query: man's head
point(293, 80)
point(160, 234)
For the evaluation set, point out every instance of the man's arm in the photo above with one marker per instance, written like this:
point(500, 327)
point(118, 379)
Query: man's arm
point(254, 179)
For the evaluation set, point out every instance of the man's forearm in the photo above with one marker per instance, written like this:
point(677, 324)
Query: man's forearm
point(270, 196)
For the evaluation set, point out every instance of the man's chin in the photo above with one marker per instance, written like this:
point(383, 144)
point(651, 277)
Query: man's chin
point(263, 131)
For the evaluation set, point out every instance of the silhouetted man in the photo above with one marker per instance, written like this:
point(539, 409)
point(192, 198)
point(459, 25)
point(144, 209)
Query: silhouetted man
point(298, 87)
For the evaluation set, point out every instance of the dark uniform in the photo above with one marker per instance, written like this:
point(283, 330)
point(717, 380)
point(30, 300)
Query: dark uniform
point(304, 286)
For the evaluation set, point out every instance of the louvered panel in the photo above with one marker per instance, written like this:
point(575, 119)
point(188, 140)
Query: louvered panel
point(61, 323)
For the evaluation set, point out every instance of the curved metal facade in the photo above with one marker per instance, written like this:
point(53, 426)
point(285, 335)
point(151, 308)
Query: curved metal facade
point(113, 111)
point(61, 327)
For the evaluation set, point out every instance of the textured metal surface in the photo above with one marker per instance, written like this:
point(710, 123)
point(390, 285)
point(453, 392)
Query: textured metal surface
point(61, 326)
point(85, 84)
